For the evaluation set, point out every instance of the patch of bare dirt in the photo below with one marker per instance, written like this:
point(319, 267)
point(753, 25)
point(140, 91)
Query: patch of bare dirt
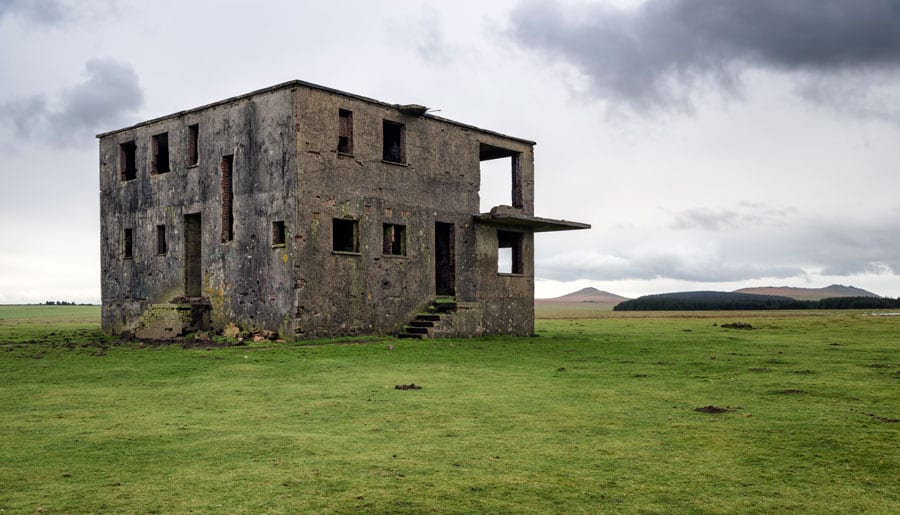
point(411, 386)
point(790, 391)
point(712, 409)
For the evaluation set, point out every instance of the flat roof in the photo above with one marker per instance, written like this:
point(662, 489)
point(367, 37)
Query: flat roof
point(309, 85)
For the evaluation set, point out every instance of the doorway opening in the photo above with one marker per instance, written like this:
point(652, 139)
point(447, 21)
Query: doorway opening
point(193, 272)
point(444, 259)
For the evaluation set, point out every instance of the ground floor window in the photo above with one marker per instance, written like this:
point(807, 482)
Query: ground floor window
point(162, 246)
point(394, 242)
point(345, 235)
point(128, 244)
point(278, 235)
point(509, 252)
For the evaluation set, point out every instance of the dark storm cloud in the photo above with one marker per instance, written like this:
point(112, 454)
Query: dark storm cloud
point(43, 12)
point(658, 55)
point(110, 92)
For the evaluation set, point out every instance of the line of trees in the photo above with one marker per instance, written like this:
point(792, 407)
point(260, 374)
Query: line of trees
point(725, 301)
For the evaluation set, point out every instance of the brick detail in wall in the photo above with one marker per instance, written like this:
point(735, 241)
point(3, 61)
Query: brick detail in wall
point(227, 169)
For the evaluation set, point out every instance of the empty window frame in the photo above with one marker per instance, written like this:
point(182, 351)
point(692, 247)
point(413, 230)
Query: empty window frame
point(193, 153)
point(394, 242)
point(227, 169)
point(509, 252)
point(159, 162)
point(162, 247)
point(127, 161)
point(345, 235)
point(394, 142)
point(345, 131)
point(500, 178)
point(278, 235)
point(128, 243)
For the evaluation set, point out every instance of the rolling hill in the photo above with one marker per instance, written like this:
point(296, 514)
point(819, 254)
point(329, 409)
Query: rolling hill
point(587, 295)
point(835, 290)
point(586, 299)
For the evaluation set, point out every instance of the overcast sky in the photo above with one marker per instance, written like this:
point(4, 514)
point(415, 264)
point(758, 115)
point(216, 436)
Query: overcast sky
point(712, 144)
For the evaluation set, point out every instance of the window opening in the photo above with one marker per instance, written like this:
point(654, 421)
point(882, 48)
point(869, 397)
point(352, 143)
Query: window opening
point(128, 244)
point(127, 161)
point(394, 138)
point(193, 150)
point(345, 131)
point(278, 237)
point(501, 178)
point(161, 246)
point(394, 242)
point(160, 160)
point(509, 252)
point(345, 235)
point(227, 168)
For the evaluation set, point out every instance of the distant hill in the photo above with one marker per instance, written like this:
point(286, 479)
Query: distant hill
point(716, 300)
point(705, 301)
point(584, 303)
point(587, 295)
point(835, 290)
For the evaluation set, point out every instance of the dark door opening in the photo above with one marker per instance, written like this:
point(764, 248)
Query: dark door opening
point(444, 259)
point(193, 279)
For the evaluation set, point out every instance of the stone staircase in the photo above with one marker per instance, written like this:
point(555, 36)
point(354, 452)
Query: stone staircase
point(423, 326)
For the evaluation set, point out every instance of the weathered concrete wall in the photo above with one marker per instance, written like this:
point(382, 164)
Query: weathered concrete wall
point(507, 299)
point(287, 168)
point(246, 280)
point(368, 292)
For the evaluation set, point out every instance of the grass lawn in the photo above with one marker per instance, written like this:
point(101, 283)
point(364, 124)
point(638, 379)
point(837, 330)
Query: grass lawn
point(591, 415)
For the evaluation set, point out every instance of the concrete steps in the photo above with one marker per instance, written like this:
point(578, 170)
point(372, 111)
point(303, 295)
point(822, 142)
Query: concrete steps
point(423, 325)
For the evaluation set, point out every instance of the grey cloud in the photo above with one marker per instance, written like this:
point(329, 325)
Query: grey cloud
point(661, 264)
point(743, 215)
point(111, 91)
point(861, 94)
point(105, 98)
point(849, 249)
point(429, 40)
point(708, 219)
point(43, 12)
point(828, 246)
point(424, 34)
point(658, 55)
point(25, 115)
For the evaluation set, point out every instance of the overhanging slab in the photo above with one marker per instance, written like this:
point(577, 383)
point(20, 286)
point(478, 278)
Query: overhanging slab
point(531, 223)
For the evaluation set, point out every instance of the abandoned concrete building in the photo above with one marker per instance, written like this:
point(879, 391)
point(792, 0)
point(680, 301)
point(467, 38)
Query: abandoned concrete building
point(312, 212)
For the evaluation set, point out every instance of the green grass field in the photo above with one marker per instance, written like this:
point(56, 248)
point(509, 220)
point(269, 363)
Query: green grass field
point(593, 414)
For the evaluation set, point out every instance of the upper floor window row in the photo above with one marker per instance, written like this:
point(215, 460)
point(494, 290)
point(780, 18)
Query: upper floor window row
point(160, 154)
point(393, 138)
